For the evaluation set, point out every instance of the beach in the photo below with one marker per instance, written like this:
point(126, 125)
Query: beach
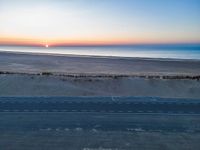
point(31, 74)
point(74, 64)
point(99, 75)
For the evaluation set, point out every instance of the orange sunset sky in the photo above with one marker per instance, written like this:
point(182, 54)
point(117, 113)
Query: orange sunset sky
point(98, 22)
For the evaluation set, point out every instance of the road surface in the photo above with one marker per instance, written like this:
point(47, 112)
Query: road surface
point(100, 105)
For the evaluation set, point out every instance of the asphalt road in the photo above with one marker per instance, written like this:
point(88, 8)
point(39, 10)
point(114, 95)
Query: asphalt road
point(100, 105)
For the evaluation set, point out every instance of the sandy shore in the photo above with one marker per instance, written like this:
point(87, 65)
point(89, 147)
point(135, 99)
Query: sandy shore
point(35, 63)
point(45, 75)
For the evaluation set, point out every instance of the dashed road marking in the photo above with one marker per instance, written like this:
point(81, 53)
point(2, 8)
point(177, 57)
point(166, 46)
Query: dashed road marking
point(6, 110)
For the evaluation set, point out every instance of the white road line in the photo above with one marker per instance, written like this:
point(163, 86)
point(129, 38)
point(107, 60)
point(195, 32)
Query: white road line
point(6, 110)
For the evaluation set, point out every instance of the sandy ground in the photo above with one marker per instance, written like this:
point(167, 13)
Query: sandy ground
point(96, 80)
point(37, 85)
point(27, 63)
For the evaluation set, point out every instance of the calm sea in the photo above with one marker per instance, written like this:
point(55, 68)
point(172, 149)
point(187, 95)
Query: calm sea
point(183, 51)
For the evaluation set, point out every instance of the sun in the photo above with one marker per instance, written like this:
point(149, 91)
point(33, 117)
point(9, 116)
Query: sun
point(46, 45)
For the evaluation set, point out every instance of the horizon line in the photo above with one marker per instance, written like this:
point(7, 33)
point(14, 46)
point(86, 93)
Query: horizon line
point(91, 45)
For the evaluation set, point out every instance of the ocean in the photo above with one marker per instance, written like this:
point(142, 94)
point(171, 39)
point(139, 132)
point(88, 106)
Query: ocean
point(173, 51)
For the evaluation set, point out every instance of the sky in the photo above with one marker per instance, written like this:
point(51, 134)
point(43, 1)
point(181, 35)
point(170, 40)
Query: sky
point(99, 22)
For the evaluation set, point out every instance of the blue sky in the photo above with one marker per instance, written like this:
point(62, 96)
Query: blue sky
point(100, 21)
